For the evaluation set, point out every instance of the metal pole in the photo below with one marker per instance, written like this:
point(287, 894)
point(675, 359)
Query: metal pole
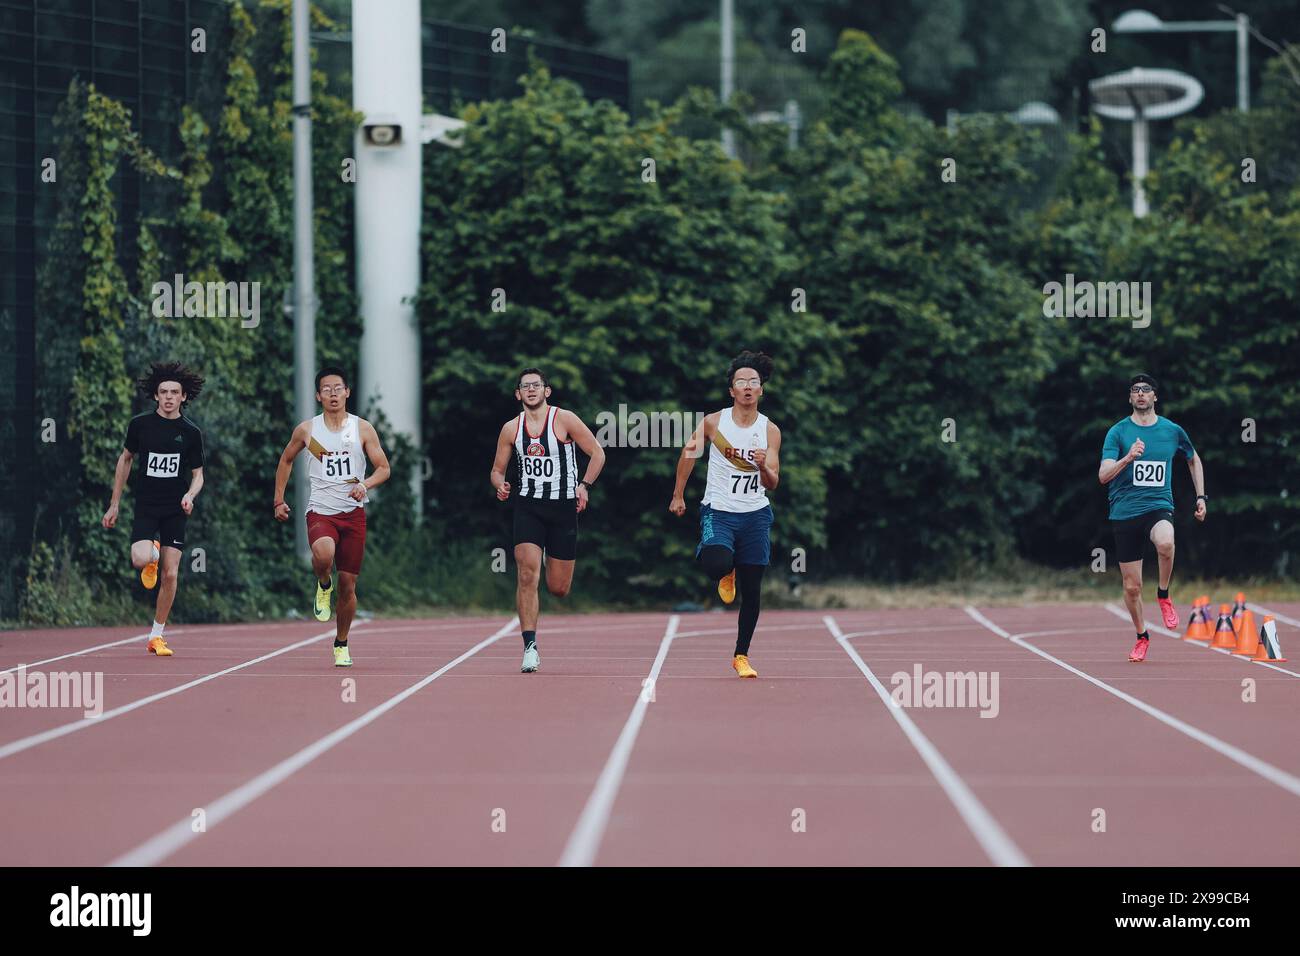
point(304, 274)
point(1139, 167)
point(1243, 63)
point(728, 77)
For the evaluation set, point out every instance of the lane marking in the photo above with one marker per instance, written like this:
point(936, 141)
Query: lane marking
point(1123, 614)
point(54, 733)
point(162, 845)
point(1288, 782)
point(585, 839)
point(999, 847)
point(1277, 614)
point(86, 650)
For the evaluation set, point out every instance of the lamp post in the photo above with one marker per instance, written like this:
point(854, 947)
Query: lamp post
point(1142, 21)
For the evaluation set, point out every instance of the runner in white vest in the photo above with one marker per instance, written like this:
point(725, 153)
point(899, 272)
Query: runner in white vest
point(735, 518)
point(340, 444)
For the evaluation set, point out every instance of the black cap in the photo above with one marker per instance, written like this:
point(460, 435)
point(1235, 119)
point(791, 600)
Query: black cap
point(1144, 377)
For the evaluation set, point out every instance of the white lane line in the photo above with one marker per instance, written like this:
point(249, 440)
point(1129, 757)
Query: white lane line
point(585, 839)
point(54, 733)
point(1277, 614)
point(1288, 782)
point(1123, 614)
point(162, 845)
point(86, 650)
point(1001, 849)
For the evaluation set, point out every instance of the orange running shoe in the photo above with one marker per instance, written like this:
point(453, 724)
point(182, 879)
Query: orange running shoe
point(741, 663)
point(158, 646)
point(1139, 652)
point(149, 573)
point(727, 587)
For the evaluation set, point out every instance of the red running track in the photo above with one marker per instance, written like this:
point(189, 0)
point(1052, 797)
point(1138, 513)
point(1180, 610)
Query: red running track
point(584, 763)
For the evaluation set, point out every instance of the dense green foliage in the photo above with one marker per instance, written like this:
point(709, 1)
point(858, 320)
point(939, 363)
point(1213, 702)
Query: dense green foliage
point(904, 309)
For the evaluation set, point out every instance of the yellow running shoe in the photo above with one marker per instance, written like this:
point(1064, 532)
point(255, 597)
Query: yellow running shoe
point(321, 607)
point(149, 573)
point(741, 663)
point(727, 587)
point(341, 657)
point(158, 646)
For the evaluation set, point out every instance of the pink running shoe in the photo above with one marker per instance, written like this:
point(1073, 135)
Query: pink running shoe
point(1168, 613)
point(1139, 652)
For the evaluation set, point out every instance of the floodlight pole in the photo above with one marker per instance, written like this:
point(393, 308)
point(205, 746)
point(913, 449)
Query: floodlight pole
point(727, 80)
point(304, 271)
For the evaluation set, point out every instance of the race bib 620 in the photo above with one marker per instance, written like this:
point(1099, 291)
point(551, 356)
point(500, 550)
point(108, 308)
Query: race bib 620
point(1149, 474)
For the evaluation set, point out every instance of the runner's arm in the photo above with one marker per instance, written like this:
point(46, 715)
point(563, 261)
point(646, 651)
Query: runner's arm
point(769, 472)
point(1197, 469)
point(297, 442)
point(120, 474)
point(693, 450)
point(196, 484)
point(504, 442)
point(375, 454)
point(580, 433)
point(1110, 468)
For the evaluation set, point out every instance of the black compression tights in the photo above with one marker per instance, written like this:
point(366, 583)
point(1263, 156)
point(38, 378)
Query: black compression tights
point(717, 562)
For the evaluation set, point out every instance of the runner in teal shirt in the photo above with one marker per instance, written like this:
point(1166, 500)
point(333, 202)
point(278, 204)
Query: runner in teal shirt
point(1137, 460)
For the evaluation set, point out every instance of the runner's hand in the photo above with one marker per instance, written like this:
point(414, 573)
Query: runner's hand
point(110, 517)
point(582, 498)
point(187, 503)
point(1136, 451)
point(503, 492)
point(1200, 510)
point(760, 456)
point(678, 505)
point(282, 511)
point(358, 491)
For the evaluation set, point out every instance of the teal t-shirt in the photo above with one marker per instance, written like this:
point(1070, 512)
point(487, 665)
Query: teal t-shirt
point(1146, 484)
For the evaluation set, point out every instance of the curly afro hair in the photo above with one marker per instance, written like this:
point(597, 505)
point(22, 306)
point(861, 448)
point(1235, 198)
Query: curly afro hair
point(758, 361)
point(159, 372)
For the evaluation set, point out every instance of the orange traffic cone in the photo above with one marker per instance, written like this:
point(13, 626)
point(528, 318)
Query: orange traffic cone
point(1223, 636)
point(1247, 635)
point(1198, 627)
point(1238, 610)
point(1269, 649)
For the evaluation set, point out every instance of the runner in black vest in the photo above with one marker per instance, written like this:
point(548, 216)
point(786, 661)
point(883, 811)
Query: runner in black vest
point(549, 497)
point(170, 449)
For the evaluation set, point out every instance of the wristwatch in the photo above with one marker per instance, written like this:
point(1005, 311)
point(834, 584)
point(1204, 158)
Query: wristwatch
point(1202, 497)
point(587, 483)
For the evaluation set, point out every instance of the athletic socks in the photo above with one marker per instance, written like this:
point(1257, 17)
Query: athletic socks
point(530, 637)
point(342, 643)
point(156, 631)
point(329, 583)
point(1144, 636)
point(1162, 593)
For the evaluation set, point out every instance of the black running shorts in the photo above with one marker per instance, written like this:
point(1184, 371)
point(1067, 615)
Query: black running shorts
point(164, 524)
point(1132, 534)
point(551, 525)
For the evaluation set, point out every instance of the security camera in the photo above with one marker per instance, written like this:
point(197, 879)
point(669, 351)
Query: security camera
point(382, 131)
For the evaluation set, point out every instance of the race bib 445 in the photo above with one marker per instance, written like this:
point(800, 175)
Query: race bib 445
point(162, 465)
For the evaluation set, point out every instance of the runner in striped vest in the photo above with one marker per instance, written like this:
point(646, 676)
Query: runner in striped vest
point(548, 498)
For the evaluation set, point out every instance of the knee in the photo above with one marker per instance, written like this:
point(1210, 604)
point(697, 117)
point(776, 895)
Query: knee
point(170, 574)
point(560, 588)
point(347, 587)
point(1132, 589)
point(716, 561)
point(322, 556)
point(527, 577)
point(1165, 549)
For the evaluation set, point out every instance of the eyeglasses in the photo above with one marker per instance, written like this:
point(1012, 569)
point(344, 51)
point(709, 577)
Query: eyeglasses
point(747, 383)
point(334, 390)
point(528, 387)
point(1140, 389)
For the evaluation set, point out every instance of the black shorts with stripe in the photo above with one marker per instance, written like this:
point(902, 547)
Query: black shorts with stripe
point(552, 525)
